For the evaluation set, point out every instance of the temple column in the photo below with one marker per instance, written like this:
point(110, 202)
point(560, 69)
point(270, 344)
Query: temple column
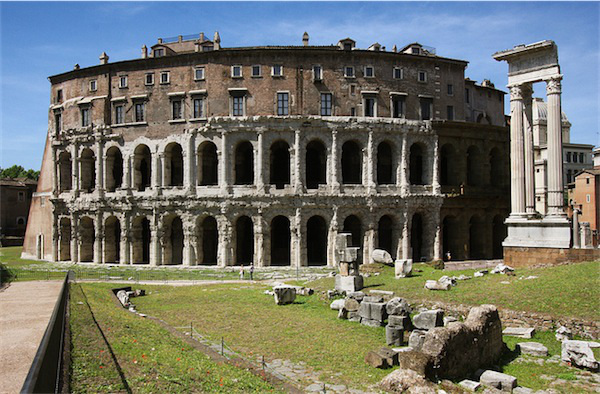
point(100, 158)
point(555, 175)
point(435, 176)
point(99, 239)
point(259, 174)
point(437, 238)
point(298, 184)
point(335, 182)
point(75, 169)
point(189, 157)
point(370, 180)
point(517, 177)
point(224, 164)
point(403, 167)
point(259, 240)
point(124, 255)
point(528, 150)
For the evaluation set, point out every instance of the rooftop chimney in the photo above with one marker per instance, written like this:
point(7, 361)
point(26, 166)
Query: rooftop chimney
point(160, 40)
point(144, 51)
point(217, 41)
point(103, 58)
point(305, 39)
point(202, 37)
point(395, 49)
point(179, 38)
point(76, 66)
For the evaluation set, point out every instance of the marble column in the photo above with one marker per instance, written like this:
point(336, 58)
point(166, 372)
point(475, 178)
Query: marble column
point(371, 157)
point(157, 172)
point(437, 240)
point(517, 177)
point(74, 238)
point(332, 240)
point(298, 184)
point(555, 175)
point(259, 176)
point(405, 238)
point(99, 238)
point(526, 91)
point(335, 182)
point(100, 158)
point(75, 169)
point(403, 168)
point(155, 234)
point(129, 173)
point(124, 254)
point(297, 238)
point(224, 155)
point(188, 234)
point(223, 255)
point(190, 161)
point(259, 240)
point(435, 179)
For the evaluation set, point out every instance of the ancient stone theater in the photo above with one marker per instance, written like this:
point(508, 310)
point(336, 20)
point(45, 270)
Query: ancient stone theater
point(198, 154)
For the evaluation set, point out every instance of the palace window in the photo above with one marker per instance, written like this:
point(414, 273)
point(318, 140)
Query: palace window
point(256, 71)
point(93, 85)
point(165, 77)
point(57, 122)
point(119, 113)
point(177, 109)
point(349, 72)
point(199, 111)
point(397, 73)
point(370, 106)
point(123, 81)
point(283, 103)
point(277, 70)
point(199, 73)
point(369, 72)
point(85, 117)
point(159, 52)
point(140, 112)
point(426, 108)
point(236, 71)
point(149, 79)
point(326, 104)
point(59, 95)
point(317, 73)
point(422, 76)
point(450, 112)
point(398, 106)
point(237, 106)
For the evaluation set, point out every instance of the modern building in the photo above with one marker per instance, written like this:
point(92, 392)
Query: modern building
point(15, 198)
point(586, 196)
point(196, 154)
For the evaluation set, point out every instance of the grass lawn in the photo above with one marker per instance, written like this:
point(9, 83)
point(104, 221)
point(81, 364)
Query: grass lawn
point(10, 256)
point(566, 290)
point(126, 352)
point(250, 323)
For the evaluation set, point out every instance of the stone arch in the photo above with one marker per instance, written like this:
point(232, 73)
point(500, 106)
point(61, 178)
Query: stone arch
point(474, 166)
point(280, 164)
point(112, 240)
point(498, 236)
point(353, 225)
point(316, 164)
point(114, 169)
point(496, 167)
point(173, 241)
point(244, 164)
point(448, 166)
point(209, 241)
point(87, 174)
point(173, 164)
point(385, 233)
point(417, 237)
point(87, 239)
point(417, 164)
point(142, 167)
point(385, 164)
point(65, 239)
point(351, 163)
point(450, 240)
point(316, 241)
point(280, 241)
point(208, 164)
point(65, 169)
point(476, 238)
point(140, 235)
point(244, 241)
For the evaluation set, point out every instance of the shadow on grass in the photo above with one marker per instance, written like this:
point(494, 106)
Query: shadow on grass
point(508, 356)
point(374, 285)
point(6, 276)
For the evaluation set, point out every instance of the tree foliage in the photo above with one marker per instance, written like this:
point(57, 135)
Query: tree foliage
point(19, 172)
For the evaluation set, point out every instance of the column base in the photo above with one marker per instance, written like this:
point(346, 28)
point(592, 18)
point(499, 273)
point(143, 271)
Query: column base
point(549, 232)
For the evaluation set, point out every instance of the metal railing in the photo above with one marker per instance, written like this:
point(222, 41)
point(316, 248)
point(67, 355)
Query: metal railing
point(45, 374)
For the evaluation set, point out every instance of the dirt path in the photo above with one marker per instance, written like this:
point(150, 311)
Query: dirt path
point(25, 309)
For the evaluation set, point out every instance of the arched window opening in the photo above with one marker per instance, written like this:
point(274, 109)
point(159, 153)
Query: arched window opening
point(450, 241)
point(316, 241)
point(416, 165)
point(280, 164)
point(448, 173)
point(65, 168)
point(385, 170)
point(280, 241)
point(112, 240)
point(244, 237)
point(351, 163)
point(210, 241)
point(316, 165)
point(498, 236)
point(209, 164)
point(114, 169)
point(173, 253)
point(244, 164)
point(88, 170)
point(141, 240)
point(416, 238)
point(142, 165)
point(88, 238)
point(65, 239)
point(174, 165)
point(385, 233)
point(476, 238)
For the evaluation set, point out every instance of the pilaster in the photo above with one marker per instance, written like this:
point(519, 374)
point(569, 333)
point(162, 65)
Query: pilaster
point(100, 176)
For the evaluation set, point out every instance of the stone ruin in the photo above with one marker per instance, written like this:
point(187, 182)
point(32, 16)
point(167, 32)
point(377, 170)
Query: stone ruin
point(125, 294)
point(349, 278)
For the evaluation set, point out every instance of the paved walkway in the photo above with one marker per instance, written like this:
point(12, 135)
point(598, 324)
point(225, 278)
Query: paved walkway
point(25, 309)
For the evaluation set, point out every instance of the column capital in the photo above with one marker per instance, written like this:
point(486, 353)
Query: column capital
point(554, 85)
point(516, 92)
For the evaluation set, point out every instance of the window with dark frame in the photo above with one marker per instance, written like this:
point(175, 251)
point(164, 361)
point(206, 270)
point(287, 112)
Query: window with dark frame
point(326, 104)
point(85, 117)
point(176, 109)
point(256, 71)
point(57, 122)
point(349, 72)
point(199, 107)
point(164, 77)
point(59, 95)
point(159, 52)
point(93, 85)
point(450, 89)
point(140, 112)
point(150, 79)
point(277, 70)
point(426, 104)
point(283, 103)
point(236, 71)
point(398, 106)
point(397, 73)
point(369, 72)
point(370, 107)
point(450, 112)
point(119, 111)
point(317, 73)
point(422, 76)
point(123, 81)
point(237, 106)
point(199, 73)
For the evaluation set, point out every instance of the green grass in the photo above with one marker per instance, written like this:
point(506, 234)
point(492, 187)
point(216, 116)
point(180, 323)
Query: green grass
point(251, 323)
point(561, 291)
point(10, 256)
point(150, 358)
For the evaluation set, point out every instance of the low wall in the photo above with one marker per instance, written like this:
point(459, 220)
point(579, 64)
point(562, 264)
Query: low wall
point(527, 257)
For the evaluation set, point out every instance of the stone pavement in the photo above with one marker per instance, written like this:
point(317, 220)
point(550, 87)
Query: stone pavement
point(25, 309)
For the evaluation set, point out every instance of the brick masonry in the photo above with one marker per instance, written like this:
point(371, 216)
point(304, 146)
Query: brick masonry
point(527, 257)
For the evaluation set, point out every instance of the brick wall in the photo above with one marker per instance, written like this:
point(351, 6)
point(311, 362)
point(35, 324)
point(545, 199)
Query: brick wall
point(526, 257)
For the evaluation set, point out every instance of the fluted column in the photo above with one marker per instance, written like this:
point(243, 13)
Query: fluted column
point(528, 150)
point(555, 176)
point(371, 186)
point(298, 184)
point(517, 177)
point(335, 182)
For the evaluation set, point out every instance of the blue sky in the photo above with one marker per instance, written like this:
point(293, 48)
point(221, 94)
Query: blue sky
point(42, 39)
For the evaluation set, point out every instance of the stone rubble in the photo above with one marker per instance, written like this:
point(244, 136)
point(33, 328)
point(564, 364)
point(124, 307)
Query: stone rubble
point(502, 269)
point(532, 349)
point(470, 385)
point(579, 354)
point(563, 334)
point(436, 285)
point(429, 319)
point(521, 332)
point(284, 294)
point(498, 380)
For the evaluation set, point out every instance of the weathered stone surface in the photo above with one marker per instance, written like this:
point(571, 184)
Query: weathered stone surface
point(522, 390)
point(402, 322)
point(378, 311)
point(470, 385)
point(447, 280)
point(521, 332)
point(382, 358)
point(372, 298)
point(498, 380)
point(356, 295)
point(449, 319)
point(337, 304)
point(398, 306)
point(563, 334)
point(342, 313)
point(284, 295)
point(429, 319)
point(502, 269)
point(382, 293)
point(353, 316)
point(381, 256)
point(351, 304)
point(348, 283)
point(370, 322)
point(416, 339)
point(461, 348)
point(532, 348)
point(394, 336)
point(406, 381)
point(579, 354)
point(403, 268)
point(435, 285)
point(390, 355)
